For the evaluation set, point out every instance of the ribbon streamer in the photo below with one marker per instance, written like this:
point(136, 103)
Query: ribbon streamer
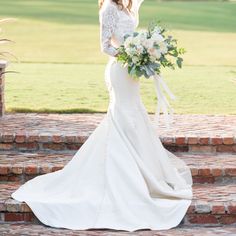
point(162, 103)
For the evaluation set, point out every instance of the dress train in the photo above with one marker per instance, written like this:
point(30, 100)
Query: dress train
point(121, 178)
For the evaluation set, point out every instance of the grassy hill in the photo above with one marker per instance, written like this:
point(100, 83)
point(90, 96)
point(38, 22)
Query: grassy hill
point(61, 69)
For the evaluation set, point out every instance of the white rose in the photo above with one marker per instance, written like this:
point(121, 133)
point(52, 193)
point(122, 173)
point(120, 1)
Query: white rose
point(135, 59)
point(142, 37)
point(163, 47)
point(130, 51)
point(127, 42)
point(148, 43)
point(153, 52)
point(136, 41)
point(139, 49)
point(157, 29)
point(157, 38)
point(157, 54)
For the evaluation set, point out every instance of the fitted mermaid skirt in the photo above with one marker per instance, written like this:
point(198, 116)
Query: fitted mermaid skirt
point(121, 178)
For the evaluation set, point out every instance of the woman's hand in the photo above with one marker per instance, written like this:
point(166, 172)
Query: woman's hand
point(116, 55)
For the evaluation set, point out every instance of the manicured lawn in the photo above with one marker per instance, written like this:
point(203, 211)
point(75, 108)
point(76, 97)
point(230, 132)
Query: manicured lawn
point(81, 88)
point(62, 67)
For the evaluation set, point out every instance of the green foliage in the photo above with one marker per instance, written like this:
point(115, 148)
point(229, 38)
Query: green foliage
point(136, 53)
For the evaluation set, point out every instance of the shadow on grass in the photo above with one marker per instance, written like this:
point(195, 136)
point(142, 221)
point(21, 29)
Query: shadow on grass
point(61, 111)
point(54, 111)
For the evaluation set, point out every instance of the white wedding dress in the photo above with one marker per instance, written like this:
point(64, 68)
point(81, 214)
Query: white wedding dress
point(122, 177)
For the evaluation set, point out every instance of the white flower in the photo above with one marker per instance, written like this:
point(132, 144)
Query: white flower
point(152, 58)
point(128, 41)
point(163, 47)
point(157, 29)
point(130, 51)
point(139, 49)
point(136, 41)
point(157, 54)
point(153, 52)
point(142, 36)
point(135, 59)
point(157, 38)
point(148, 43)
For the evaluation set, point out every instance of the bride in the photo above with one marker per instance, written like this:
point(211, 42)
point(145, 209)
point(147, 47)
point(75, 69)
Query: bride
point(122, 177)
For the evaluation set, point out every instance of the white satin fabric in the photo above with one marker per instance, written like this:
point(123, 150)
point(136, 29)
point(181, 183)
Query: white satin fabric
point(121, 178)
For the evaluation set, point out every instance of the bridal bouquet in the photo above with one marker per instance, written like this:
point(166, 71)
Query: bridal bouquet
point(146, 52)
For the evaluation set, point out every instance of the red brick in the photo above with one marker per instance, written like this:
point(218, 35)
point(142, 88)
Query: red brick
point(32, 138)
point(216, 141)
point(216, 209)
point(194, 171)
point(4, 170)
point(216, 172)
point(232, 208)
point(31, 170)
point(6, 146)
point(191, 209)
point(73, 146)
point(202, 148)
point(14, 178)
point(54, 146)
point(2, 206)
point(45, 169)
point(224, 148)
point(57, 138)
point(182, 148)
point(25, 208)
point(20, 138)
point(203, 180)
point(228, 140)
point(7, 138)
point(203, 140)
point(227, 219)
point(27, 146)
point(70, 139)
point(168, 140)
point(192, 140)
point(234, 148)
point(180, 140)
point(230, 171)
point(202, 219)
point(11, 217)
point(204, 172)
point(44, 138)
point(82, 139)
point(3, 178)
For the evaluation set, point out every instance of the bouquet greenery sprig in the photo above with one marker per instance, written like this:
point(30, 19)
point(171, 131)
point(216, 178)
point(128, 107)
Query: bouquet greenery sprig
point(148, 51)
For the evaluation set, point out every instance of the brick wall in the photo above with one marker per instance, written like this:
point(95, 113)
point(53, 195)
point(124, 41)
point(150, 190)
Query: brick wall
point(3, 65)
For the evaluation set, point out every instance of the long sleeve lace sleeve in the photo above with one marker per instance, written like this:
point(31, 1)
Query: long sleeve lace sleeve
point(108, 20)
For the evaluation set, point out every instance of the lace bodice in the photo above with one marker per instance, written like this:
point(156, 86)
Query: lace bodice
point(115, 24)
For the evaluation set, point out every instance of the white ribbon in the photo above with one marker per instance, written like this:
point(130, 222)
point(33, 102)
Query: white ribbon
point(162, 103)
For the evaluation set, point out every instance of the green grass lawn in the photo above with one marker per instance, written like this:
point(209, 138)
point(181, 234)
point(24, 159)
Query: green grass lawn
point(62, 67)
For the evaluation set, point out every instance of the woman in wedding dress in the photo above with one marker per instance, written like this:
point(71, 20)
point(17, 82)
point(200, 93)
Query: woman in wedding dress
point(122, 177)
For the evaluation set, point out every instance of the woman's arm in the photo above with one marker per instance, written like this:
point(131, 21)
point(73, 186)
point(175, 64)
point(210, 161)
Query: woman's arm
point(108, 22)
point(136, 5)
point(139, 3)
